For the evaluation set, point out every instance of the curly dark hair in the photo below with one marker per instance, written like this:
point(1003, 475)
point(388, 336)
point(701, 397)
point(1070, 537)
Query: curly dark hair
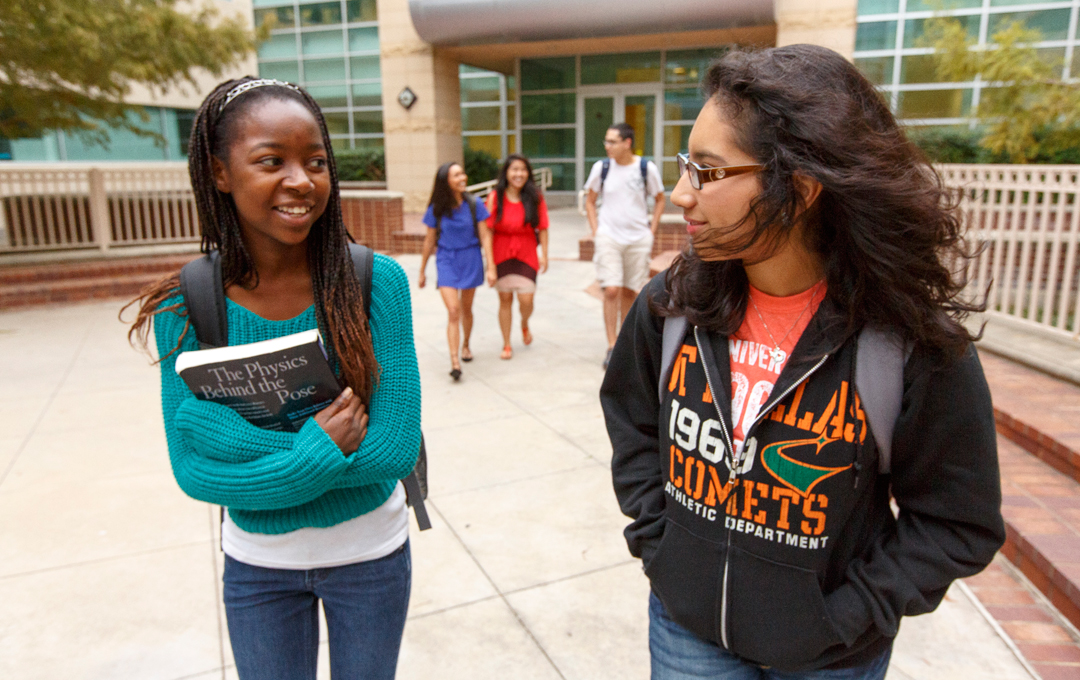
point(339, 302)
point(885, 226)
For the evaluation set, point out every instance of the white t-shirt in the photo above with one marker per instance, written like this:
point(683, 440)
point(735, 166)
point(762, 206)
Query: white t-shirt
point(624, 214)
point(368, 537)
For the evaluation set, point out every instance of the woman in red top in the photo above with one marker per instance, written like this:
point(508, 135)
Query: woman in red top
point(518, 221)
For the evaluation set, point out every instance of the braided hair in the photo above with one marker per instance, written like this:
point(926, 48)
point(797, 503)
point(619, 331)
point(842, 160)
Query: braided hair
point(339, 302)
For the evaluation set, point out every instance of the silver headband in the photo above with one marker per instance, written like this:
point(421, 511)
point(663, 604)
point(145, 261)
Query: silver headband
point(251, 85)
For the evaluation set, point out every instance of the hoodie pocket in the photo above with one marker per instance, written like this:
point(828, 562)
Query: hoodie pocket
point(685, 574)
point(776, 613)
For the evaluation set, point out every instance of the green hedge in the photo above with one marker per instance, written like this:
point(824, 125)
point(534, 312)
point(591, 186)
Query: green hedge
point(361, 165)
point(954, 145)
point(480, 166)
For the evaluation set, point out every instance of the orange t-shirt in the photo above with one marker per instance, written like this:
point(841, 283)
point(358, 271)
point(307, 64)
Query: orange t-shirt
point(754, 365)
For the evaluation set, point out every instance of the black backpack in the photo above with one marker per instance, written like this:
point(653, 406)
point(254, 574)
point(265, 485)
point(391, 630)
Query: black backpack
point(204, 297)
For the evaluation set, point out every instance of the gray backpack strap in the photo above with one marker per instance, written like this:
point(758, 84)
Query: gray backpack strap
point(363, 260)
point(879, 380)
point(674, 332)
point(204, 299)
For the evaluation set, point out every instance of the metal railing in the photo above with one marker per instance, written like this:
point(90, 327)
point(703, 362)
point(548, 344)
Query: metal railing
point(1026, 222)
point(542, 177)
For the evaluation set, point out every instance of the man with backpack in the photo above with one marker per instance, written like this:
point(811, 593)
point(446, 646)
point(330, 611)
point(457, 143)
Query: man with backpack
point(623, 232)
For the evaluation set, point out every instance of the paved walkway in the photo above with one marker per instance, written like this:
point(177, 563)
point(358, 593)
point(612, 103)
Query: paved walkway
point(108, 571)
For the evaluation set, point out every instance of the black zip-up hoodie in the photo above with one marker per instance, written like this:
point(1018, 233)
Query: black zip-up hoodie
point(795, 560)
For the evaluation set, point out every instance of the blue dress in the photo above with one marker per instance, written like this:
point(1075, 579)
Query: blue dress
point(458, 260)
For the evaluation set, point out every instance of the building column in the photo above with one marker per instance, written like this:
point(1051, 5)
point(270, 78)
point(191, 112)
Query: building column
point(829, 23)
point(420, 139)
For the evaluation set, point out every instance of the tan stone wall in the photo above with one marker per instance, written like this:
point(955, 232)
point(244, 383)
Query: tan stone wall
point(829, 23)
point(420, 139)
point(185, 96)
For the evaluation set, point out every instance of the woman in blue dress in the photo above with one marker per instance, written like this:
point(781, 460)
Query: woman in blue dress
point(452, 217)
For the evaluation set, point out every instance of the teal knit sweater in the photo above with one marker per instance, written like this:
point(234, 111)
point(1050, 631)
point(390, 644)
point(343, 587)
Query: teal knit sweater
point(274, 482)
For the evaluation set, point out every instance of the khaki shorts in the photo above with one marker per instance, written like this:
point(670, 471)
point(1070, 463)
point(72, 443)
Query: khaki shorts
point(622, 265)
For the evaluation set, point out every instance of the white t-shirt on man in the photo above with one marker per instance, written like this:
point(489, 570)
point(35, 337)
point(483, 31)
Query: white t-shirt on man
point(624, 214)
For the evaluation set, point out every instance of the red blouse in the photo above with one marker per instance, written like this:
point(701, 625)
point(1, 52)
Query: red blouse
point(513, 239)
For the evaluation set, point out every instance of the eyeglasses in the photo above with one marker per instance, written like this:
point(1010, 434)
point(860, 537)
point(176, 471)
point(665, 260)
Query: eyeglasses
point(700, 175)
point(612, 142)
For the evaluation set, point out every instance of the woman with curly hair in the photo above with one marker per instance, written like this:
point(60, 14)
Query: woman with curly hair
point(755, 474)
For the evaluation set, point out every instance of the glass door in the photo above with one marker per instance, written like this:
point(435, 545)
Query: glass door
point(603, 107)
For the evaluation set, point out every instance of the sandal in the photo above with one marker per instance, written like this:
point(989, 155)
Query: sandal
point(466, 354)
point(507, 353)
point(526, 336)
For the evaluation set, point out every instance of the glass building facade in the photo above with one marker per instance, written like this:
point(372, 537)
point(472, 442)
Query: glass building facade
point(174, 125)
point(332, 50)
point(567, 103)
point(888, 50)
point(488, 101)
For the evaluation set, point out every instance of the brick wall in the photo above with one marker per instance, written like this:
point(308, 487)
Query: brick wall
point(373, 217)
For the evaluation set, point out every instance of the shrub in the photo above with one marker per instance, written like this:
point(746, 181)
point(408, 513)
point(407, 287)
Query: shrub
point(361, 165)
point(480, 166)
point(960, 145)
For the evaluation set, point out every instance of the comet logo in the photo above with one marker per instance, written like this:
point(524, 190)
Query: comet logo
point(798, 476)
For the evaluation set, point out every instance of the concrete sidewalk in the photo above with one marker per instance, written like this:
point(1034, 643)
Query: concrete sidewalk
point(108, 571)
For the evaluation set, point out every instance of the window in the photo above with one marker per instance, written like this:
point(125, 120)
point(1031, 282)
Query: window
point(322, 42)
point(547, 74)
point(281, 45)
point(877, 35)
point(878, 70)
point(323, 69)
point(687, 67)
point(640, 67)
point(320, 14)
point(541, 109)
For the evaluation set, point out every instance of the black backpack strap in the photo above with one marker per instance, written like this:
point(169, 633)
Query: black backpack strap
point(363, 259)
point(605, 166)
point(204, 299)
point(415, 489)
point(645, 179)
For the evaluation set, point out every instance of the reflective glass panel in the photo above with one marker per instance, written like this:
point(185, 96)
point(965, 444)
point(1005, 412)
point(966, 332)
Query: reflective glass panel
point(547, 74)
point(480, 118)
point(362, 68)
point(289, 71)
point(337, 122)
point(367, 121)
point(688, 66)
point(640, 114)
point(1053, 24)
point(361, 10)
point(328, 95)
point(368, 142)
point(878, 70)
point(490, 144)
point(563, 175)
point(935, 103)
point(599, 114)
point(548, 143)
point(367, 94)
point(321, 13)
point(323, 69)
point(279, 17)
point(636, 67)
point(364, 39)
point(540, 109)
point(682, 104)
point(876, 35)
point(480, 89)
point(915, 28)
point(676, 139)
point(918, 68)
point(278, 46)
point(878, 7)
point(322, 42)
point(938, 5)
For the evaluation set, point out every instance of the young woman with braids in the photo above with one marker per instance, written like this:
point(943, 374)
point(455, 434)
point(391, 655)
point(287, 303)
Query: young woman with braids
point(518, 223)
point(318, 514)
point(759, 494)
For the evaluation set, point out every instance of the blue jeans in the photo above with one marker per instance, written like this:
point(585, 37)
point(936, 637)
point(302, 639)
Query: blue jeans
point(273, 617)
point(678, 654)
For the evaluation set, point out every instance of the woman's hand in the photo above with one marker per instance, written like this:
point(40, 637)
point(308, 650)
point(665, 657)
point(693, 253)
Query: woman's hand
point(345, 420)
point(543, 264)
point(492, 275)
point(422, 279)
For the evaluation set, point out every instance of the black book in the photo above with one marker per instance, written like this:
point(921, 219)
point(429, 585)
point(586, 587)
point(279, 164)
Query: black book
point(275, 384)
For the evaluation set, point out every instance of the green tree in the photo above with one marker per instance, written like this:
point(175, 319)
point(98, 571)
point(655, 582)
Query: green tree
point(1028, 111)
point(69, 64)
